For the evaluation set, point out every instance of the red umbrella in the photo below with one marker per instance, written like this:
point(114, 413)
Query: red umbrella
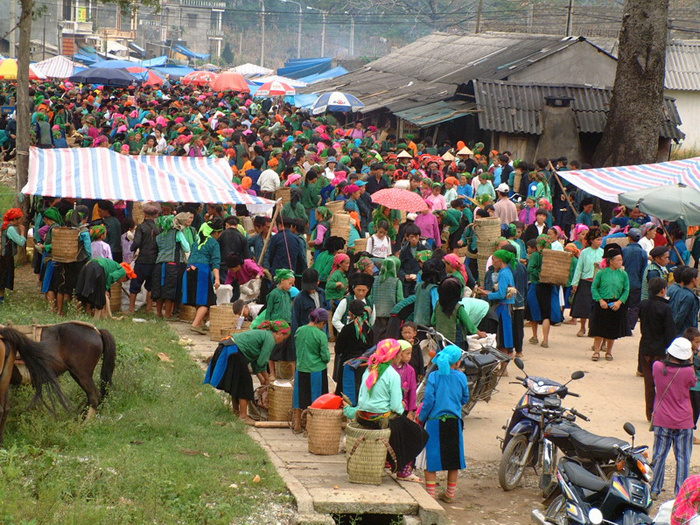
point(275, 88)
point(149, 79)
point(199, 78)
point(230, 81)
point(400, 199)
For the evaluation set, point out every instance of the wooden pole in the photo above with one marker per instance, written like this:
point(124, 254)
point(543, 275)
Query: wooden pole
point(563, 189)
point(673, 245)
point(278, 207)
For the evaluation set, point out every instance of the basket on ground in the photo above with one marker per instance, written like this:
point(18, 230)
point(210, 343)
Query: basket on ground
point(365, 453)
point(222, 321)
point(324, 429)
point(555, 267)
point(187, 313)
point(280, 397)
point(65, 244)
point(115, 297)
point(284, 370)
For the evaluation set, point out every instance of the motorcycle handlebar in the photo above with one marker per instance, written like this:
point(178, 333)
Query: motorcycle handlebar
point(578, 414)
point(572, 394)
point(520, 378)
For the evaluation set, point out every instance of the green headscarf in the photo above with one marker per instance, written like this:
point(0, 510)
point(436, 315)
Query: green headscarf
point(326, 214)
point(363, 263)
point(382, 214)
point(205, 231)
point(506, 256)
point(543, 242)
point(165, 223)
point(390, 268)
point(54, 215)
point(424, 255)
point(282, 274)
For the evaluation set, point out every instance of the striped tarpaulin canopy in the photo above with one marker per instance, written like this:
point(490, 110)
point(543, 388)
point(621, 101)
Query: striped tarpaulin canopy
point(99, 173)
point(608, 183)
point(57, 67)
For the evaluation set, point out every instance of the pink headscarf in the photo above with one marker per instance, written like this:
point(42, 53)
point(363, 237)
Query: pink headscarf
point(380, 360)
point(338, 260)
point(458, 265)
point(577, 230)
point(292, 179)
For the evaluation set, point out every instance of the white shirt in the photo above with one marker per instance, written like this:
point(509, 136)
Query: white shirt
point(340, 313)
point(269, 181)
point(647, 244)
point(380, 248)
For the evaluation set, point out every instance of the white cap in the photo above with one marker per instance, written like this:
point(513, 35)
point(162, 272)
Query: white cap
point(412, 216)
point(503, 188)
point(681, 349)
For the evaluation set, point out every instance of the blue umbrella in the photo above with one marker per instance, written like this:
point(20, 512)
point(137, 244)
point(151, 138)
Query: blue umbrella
point(104, 77)
point(336, 101)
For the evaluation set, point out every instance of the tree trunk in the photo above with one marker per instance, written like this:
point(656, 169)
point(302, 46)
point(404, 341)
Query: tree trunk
point(23, 102)
point(632, 131)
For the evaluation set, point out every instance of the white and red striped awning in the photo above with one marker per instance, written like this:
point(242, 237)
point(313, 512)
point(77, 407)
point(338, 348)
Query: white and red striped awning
point(57, 67)
point(100, 173)
point(609, 183)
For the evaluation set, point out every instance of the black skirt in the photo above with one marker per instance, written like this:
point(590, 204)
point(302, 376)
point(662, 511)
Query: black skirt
point(308, 387)
point(67, 275)
point(236, 380)
point(407, 439)
point(167, 281)
point(91, 286)
point(7, 272)
point(609, 324)
point(583, 300)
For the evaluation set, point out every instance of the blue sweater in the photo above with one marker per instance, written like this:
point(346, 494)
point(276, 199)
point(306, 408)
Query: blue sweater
point(505, 279)
point(445, 395)
point(684, 306)
point(635, 260)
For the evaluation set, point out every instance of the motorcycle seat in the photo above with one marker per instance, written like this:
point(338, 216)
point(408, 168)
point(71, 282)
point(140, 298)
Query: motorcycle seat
point(580, 477)
point(592, 446)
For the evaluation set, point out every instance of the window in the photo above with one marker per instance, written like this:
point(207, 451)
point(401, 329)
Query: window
point(192, 21)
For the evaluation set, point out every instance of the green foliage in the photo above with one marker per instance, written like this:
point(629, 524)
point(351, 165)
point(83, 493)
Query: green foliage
point(163, 449)
point(227, 54)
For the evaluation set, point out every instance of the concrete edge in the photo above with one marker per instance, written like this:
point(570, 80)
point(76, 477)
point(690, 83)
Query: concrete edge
point(430, 511)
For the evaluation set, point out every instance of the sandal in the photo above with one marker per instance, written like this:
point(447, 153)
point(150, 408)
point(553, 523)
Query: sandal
point(534, 340)
point(608, 356)
point(444, 497)
point(411, 477)
point(595, 356)
point(544, 345)
point(581, 333)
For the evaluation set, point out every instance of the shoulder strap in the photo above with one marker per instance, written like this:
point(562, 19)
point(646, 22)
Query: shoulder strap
point(664, 393)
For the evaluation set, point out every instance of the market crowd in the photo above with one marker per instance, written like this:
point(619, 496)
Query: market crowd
point(301, 281)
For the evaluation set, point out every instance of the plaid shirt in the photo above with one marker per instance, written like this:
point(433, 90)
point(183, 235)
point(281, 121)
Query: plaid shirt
point(687, 502)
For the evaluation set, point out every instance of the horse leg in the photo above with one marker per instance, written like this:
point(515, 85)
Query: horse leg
point(84, 379)
point(5, 377)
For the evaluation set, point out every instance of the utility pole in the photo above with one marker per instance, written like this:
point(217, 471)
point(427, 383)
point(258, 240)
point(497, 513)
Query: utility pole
point(570, 18)
point(323, 28)
point(479, 12)
point(12, 36)
point(43, 44)
point(262, 45)
point(300, 28)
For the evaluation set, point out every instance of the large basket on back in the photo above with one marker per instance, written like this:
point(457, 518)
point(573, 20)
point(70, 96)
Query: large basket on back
point(65, 244)
point(555, 267)
point(137, 212)
point(222, 322)
point(324, 427)
point(335, 206)
point(622, 242)
point(284, 193)
point(361, 245)
point(487, 231)
point(365, 453)
point(341, 225)
point(280, 398)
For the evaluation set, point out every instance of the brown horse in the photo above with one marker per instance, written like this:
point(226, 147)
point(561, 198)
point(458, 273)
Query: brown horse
point(38, 363)
point(76, 347)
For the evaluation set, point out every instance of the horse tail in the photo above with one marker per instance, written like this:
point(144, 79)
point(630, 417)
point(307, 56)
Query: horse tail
point(38, 364)
point(109, 358)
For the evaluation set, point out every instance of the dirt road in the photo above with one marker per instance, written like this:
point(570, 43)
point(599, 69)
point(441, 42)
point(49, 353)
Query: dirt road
point(610, 395)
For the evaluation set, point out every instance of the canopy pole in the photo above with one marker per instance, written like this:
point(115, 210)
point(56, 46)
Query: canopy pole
point(670, 240)
point(278, 207)
point(561, 185)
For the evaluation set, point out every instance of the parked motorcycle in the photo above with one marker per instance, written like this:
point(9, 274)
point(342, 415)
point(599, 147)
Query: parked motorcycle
point(482, 368)
point(588, 499)
point(526, 442)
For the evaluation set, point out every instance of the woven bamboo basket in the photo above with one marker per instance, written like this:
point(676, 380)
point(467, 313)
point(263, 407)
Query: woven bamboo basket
point(365, 453)
point(187, 313)
point(137, 212)
point(284, 370)
point(222, 321)
point(324, 427)
point(248, 225)
point(284, 193)
point(244, 327)
point(487, 229)
point(622, 242)
point(341, 225)
point(280, 399)
point(555, 267)
point(115, 297)
point(361, 245)
point(65, 244)
point(335, 206)
point(481, 261)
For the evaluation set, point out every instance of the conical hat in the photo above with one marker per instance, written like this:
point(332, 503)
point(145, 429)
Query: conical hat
point(448, 157)
point(465, 151)
point(404, 155)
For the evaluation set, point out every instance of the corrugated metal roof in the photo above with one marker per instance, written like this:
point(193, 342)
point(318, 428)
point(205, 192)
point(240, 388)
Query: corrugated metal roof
point(683, 65)
point(516, 107)
point(435, 113)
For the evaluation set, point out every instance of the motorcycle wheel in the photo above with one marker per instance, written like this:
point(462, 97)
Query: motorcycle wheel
point(556, 512)
point(512, 466)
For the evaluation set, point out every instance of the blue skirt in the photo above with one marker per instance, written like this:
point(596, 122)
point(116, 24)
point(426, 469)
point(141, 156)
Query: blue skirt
point(505, 327)
point(198, 286)
point(445, 447)
point(47, 284)
point(308, 387)
point(543, 303)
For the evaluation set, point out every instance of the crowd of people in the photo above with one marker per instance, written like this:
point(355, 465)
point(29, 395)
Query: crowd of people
point(301, 286)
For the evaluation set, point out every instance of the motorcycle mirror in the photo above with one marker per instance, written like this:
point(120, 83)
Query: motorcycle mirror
point(595, 516)
point(577, 375)
point(629, 428)
point(519, 363)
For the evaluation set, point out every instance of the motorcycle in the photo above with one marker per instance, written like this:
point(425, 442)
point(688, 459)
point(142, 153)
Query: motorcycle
point(482, 368)
point(526, 441)
point(588, 499)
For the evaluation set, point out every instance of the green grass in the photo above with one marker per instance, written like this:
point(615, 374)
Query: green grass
point(7, 197)
point(163, 449)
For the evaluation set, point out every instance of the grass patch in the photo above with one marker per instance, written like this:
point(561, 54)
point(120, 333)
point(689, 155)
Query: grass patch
point(163, 449)
point(7, 197)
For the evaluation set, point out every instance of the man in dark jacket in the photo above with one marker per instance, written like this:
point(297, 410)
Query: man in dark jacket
point(410, 268)
point(284, 249)
point(232, 241)
point(635, 259)
point(684, 303)
point(145, 243)
point(658, 331)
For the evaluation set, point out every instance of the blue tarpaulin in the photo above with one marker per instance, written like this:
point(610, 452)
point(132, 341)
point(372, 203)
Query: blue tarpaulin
point(114, 64)
point(331, 73)
point(304, 67)
point(154, 62)
point(189, 53)
point(174, 72)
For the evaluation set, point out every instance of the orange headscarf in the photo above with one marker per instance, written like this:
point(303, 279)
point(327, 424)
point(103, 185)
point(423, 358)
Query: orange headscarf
point(11, 215)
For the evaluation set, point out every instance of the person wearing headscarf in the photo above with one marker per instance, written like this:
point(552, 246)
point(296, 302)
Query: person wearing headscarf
point(578, 235)
point(67, 273)
point(610, 291)
point(504, 262)
point(228, 370)
point(588, 261)
point(107, 213)
point(365, 265)
point(380, 405)
point(360, 285)
point(542, 305)
point(411, 260)
point(201, 278)
point(173, 250)
point(383, 214)
point(337, 284)
point(294, 209)
point(426, 291)
point(446, 392)
point(352, 341)
point(95, 281)
point(455, 268)
point(13, 236)
point(449, 314)
point(279, 308)
point(100, 248)
point(313, 356)
point(52, 219)
point(387, 291)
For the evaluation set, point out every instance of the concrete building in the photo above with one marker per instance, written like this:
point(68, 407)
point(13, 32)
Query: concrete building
point(683, 84)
